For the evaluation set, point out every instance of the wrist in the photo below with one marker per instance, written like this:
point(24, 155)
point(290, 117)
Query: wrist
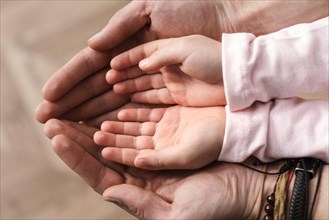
point(264, 17)
point(272, 201)
point(269, 185)
point(262, 186)
point(320, 210)
point(321, 200)
point(230, 18)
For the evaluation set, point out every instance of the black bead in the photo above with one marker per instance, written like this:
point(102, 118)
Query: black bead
point(271, 199)
point(269, 209)
point(268, 217)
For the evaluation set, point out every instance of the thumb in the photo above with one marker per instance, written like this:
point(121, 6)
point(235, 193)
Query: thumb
point(168, 158)
point(167, 53)
point(139, 202)
point(124, 23)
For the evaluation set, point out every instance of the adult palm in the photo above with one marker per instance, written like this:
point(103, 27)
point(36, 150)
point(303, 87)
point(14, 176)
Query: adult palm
point(219, 191)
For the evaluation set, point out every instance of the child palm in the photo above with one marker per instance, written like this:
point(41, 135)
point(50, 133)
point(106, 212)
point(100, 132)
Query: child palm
point(164, 138)
point(185, 71)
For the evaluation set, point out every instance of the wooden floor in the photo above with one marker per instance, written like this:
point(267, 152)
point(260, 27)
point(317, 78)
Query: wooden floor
point(37, 37)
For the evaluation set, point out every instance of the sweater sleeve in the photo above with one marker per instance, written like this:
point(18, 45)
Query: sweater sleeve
point(283, 64)
point(287, 128)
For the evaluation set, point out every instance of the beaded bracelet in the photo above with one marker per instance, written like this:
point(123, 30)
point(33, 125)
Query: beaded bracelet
point(305, 171)
point(276, 201)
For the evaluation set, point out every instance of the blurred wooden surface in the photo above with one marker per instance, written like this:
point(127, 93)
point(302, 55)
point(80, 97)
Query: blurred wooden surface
point(38, 37)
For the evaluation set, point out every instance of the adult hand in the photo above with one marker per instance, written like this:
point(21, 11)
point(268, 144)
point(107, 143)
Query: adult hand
point(87, 111)
point(138, 22)
point(79, 90)
point(165, 19)
point(190, 72)
point(164, 138)
point(219, 191)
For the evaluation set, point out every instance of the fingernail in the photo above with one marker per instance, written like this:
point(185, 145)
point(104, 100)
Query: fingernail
point(115, 202)
point(143, 63)
point(140, 162)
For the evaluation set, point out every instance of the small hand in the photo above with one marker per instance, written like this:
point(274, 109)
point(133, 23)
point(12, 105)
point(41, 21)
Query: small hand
point(164, 138)
point(190, 72)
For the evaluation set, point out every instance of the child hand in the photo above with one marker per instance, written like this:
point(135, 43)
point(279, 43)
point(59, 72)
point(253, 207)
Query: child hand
point(164, 138)
point(185, 71)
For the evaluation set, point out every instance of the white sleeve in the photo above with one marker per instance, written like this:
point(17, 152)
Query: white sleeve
point(283, 64)
point(288, 128)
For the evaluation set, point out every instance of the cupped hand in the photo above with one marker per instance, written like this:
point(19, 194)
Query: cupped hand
point(91, 98)
point(165, 19)
point(137, 23)
point(185, 71)
point(164, 138)
point(219, 191)
point(79, 90)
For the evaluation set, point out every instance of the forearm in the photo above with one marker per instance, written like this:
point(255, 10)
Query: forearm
point(283, 64)
point(278, 129)
point(263, 17)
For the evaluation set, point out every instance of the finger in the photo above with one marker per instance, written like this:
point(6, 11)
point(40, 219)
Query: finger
point(90, 87)
point(167, 53)
point(167, 158)
point(54, 127)
point(85, 63)
point(123, 141)
point(86, 130)
point(129, 128)
point(91, 170)
point(101, 104)
point(140, 84)
point(124, 156)
point(142, 114)
point(144, 204)
point(80, 134)
point(111, 115)
point(133, 56)
point(113, 76)
point(154, 96)
point(124, 23)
